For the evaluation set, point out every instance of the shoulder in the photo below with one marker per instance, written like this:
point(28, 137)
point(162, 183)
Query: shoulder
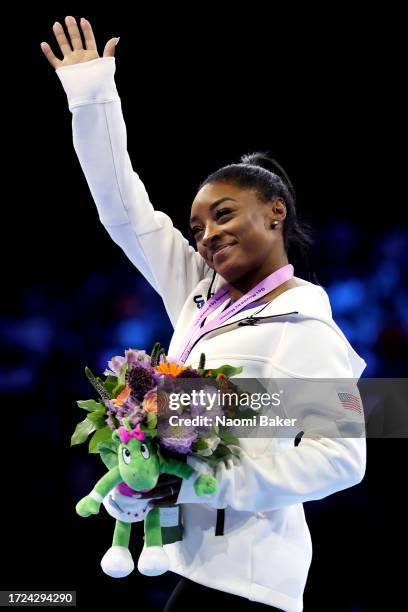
point(312, 348)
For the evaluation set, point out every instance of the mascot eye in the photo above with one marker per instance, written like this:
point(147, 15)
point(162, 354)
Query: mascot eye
point(126, 456)
point(144, 451)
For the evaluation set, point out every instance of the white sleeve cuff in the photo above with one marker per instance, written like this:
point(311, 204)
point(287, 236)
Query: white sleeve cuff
point(89, 82)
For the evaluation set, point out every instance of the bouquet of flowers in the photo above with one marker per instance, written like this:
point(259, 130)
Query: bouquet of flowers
point(131, 428)
point(136, 391)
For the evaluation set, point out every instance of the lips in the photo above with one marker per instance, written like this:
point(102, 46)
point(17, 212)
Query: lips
point(222, 248)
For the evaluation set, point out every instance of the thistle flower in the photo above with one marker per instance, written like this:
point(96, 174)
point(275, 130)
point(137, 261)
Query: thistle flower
point(141, 380)
point(189, 373)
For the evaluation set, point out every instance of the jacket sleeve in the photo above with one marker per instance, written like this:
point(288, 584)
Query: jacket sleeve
point(147, 236)
point(332, 453)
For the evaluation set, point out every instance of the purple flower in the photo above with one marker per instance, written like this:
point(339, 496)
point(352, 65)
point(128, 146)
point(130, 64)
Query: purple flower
point(110, 423)
point(132, 356)
point(199, 406)
point(115, 364)
point(177, 438)
point(138, 357)
point(111, 408)
point(141, 380)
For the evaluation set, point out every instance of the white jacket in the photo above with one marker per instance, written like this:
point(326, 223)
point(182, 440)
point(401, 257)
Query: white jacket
point(266, 550)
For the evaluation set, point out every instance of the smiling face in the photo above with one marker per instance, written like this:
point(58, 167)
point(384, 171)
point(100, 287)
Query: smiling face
point(225, 214)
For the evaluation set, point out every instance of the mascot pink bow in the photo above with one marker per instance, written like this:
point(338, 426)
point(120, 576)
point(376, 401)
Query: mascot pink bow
point(125, 435)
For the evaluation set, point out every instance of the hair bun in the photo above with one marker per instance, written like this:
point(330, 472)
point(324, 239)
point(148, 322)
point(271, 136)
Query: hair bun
point(264, 160)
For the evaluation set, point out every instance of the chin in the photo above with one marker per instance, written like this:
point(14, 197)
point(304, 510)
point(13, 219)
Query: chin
point(230, 273)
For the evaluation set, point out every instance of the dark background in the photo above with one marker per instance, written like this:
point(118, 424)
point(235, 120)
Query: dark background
point(323, 92)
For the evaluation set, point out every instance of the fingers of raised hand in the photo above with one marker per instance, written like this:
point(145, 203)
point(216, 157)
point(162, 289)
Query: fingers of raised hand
point(89, 37)
point(54, 61)
point(75, 36)
point(61, 38)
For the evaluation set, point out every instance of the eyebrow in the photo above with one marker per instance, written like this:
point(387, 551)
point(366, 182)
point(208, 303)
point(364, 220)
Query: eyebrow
point(213, 205)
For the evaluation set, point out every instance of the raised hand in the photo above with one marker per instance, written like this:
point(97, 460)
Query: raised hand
point(72, 48)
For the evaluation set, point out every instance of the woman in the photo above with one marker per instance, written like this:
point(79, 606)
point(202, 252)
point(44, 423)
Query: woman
point(237, 300)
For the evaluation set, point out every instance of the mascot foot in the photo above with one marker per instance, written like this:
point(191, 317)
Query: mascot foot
point(117, 562)
point(153, 561)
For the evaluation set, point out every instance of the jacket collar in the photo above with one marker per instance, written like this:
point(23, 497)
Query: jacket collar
point(308, 301)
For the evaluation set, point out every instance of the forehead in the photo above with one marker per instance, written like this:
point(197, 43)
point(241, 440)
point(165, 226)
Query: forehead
point(213, 192)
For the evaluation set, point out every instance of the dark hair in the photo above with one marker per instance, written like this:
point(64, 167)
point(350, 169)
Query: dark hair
point(259, 171)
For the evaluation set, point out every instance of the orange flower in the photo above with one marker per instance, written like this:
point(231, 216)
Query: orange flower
point(171, 369)
point(150, 403)
point(123, 395)
point(155, 402)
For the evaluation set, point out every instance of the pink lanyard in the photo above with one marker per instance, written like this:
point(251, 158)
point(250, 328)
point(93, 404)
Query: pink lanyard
point(265, 286)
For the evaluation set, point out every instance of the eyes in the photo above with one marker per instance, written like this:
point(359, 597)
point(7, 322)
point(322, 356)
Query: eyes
point(193, 231)
point(144, 451)
point(127, 456)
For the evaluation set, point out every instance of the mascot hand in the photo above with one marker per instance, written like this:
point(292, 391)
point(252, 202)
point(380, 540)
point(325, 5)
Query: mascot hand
point(87, 505)
point(205, 484)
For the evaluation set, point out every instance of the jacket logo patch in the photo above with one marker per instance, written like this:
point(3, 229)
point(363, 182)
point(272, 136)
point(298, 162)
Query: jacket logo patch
point(199, 301)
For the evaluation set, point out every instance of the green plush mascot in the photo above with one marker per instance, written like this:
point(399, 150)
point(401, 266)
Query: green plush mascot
point(139, 467)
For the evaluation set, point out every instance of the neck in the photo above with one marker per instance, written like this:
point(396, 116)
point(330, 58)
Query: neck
point(244, 284)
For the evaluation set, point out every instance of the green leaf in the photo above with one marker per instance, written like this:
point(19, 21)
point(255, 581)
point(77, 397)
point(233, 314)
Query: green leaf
point(91, 406)
point(226, 369)
point(122, 374)
point(211, 460)
point(151, 420)
point(200, 444)
point(101, 435)
point(225, 437)
point(82, 431)
point(97, 384)
point(150, 432)
point(245, 413)
point(117, 389)
point(222, 451)
point(98, 419)
point(108, 451)
point(110, 383)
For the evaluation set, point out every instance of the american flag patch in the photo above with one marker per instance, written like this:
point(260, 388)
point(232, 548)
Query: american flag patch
point(350, 402)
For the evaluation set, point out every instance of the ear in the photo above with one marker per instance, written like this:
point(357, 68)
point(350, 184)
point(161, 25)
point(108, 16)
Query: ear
point(115, 435)
point(279, 208)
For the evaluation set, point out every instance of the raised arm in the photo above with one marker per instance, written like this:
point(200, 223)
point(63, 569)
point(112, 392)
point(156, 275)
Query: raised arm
point(147, 236)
